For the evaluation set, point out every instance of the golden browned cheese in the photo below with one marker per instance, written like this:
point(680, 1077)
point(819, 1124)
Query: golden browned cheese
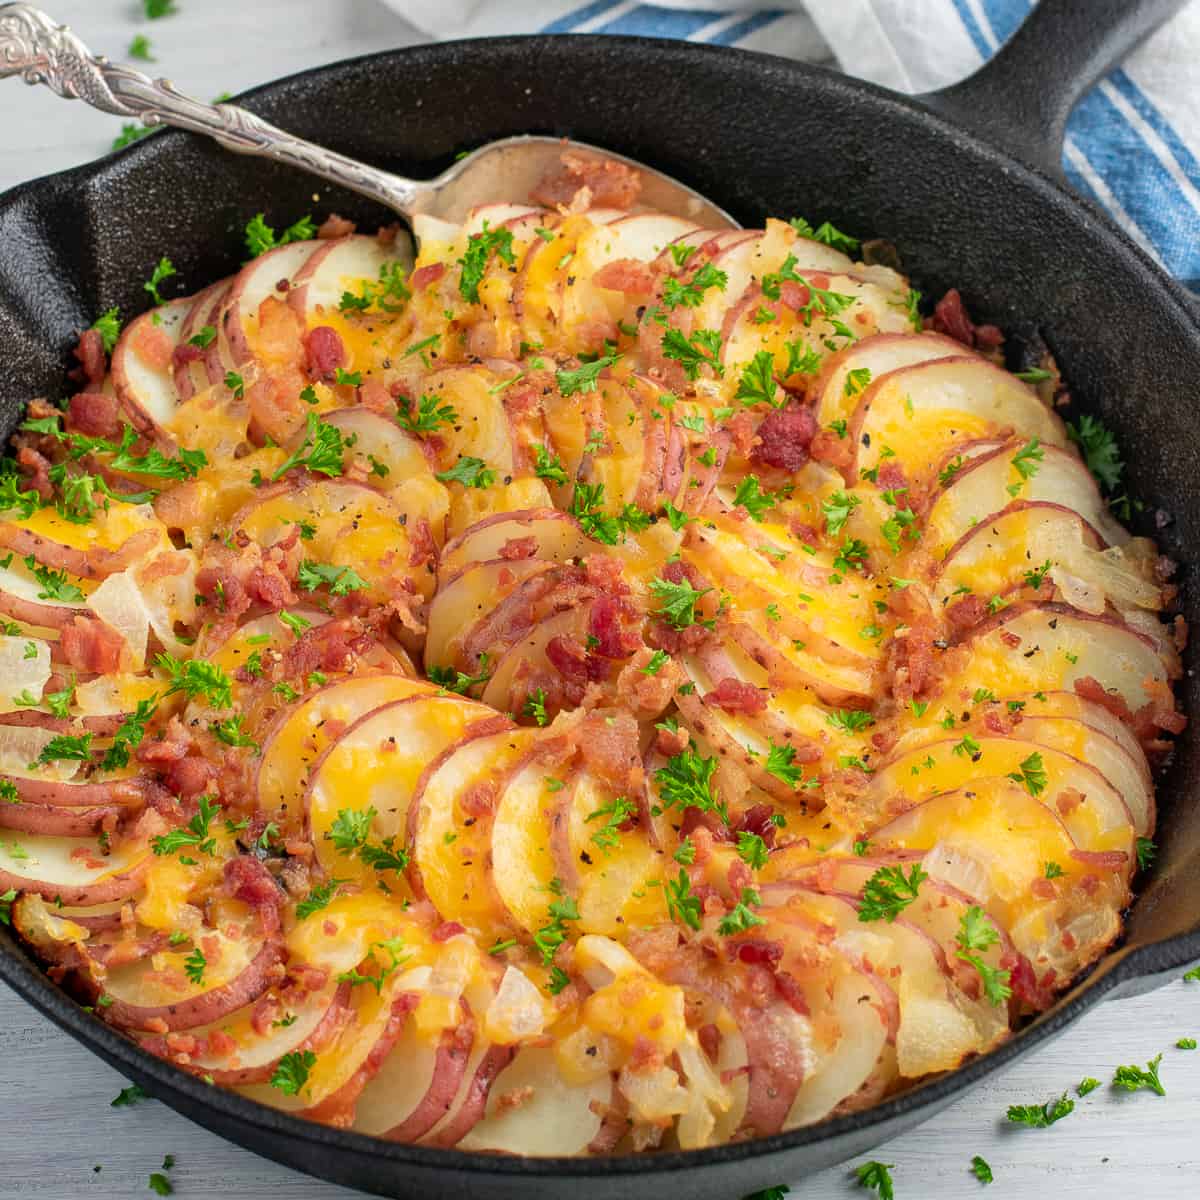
point(604, 684)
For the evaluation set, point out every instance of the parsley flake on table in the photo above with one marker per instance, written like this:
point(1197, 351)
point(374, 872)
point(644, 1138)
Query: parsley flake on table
point(1133, 1079)
point(129, 1096)
point(981, 1170)
point(1041, 1116)
point(878, 1176)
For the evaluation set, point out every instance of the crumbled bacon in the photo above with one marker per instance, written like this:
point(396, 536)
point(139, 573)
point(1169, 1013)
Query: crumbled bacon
point(966, 613)
point(89, 352)
point(610, 184)
point(324, 352)
point(335, 227)
point(89, 645)
point(515, 549)
point(95, 414)
point(737, 696)
point(251, 883)
point(422, 277)
point(785, 436)
point(950, 317)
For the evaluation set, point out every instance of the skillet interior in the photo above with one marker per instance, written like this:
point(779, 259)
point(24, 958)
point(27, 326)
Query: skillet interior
point(760, 135)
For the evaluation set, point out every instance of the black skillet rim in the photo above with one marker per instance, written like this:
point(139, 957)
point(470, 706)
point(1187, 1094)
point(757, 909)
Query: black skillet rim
point(1120, 967)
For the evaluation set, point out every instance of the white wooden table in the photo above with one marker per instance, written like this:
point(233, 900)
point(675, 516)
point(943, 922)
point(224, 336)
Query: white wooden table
point(60, 1139)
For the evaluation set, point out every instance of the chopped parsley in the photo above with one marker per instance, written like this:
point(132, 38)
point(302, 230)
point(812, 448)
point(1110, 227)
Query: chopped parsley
point(752, 850)
point(471, 472)
point(889, 892)
point(1041, 1116)
point(975, 933)
point(108, 326)
point(678, 602)
point(54, 584)
point(850, 720)
point(162, 272)
point(658, 660)
point(260, 237)
point(690, 294)
point(876, 1175)
point(548, 466)
point(196, 833)
point(682, 904)
point(429, 415)
point(340, 580)
point(480, 248)
point(702, 348)
point(741, 917)
point(617, 812)
point(757, 383)
point(291, 1072)
point(981, 1170)
point(318, 898)
point(552, 935)
point(194, 964)
point(686, 781)
point(321, 451)
point(750, 497)
point(197, 679)
point(455, 681)
point(1132, 1079)
point(535, 706)
point(1031, 774)
point(1100, 450)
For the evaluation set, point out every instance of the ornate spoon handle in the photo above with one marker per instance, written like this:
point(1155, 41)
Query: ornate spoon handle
point(34, 47)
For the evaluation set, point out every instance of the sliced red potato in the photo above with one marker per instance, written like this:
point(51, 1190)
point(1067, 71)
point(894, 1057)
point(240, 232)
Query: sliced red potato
point(354, 526)
point(143, 377)
point(370, 435)
point(1091, 808)
point(199, 366)
point(1049, 647)
point(989, 484)
point(509, 687)
point(256, 281)
point(339, 265)
point(376, 765)
point(920, 412)
point(450, 824)
point(304, 732)
point(556, 534)
point(614, 875)
point(532, 1109)
point(71, 869)
point(877, 354)
point(24, 599)
point(471, 600)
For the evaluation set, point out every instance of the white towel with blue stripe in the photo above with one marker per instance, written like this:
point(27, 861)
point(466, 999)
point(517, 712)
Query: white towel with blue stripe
point(1133, 144)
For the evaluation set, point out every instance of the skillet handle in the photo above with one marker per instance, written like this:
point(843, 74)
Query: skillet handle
point(1021, 98)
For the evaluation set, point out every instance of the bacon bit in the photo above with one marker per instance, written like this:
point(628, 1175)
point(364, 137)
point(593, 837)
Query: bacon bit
point(996, 721)
point(89, 645)
point(221, 1044)
point(951, 318)
point(518, 548)
point(446, 930)
point(1104, 859)
point(89, 352)
point(670, 743)
point(628, 275)
point(736, 696)
point(324, 352)
point(966, 613)
point(834, 451)
point(610, 184)
point(422, 547)
point(335, 227)
point(37, 471)
point(275, 405)
point(251, 883)
point(190, 776)
point(568, 658)
point(608, 744)
point(375, 396)
point(607, 621)
point(422, 277)
point(185, 353)
point(266, 1010)
point(156, 1025)
point(785, 436)
point(1043, 889)
point(645, 1055)
point(790, 993)
point(740, 428)
point(94, 414)
point(891, 476)
point(1068, 800)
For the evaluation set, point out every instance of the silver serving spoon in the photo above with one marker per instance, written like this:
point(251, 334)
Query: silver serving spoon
point(34, 47)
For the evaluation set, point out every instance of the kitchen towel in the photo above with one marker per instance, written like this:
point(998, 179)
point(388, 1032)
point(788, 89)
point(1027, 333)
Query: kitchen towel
point(1133, 143)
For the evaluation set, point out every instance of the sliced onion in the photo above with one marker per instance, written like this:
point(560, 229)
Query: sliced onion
point(961, 871)
point(20, 671)
point(708, 1097)
point(516, 1013)
point(133, 606)
point(118, 603)
point(21, 745)
point(1111, 573)
point(441, 996)
point(653, 1096)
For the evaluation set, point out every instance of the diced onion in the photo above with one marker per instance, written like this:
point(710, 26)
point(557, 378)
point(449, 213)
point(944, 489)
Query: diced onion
point(517, 1012)
point(959, 870)
point(653, 1095)
point(22, 674)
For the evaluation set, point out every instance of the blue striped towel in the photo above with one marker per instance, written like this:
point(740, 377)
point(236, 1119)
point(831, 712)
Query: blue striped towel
point(1133, 144)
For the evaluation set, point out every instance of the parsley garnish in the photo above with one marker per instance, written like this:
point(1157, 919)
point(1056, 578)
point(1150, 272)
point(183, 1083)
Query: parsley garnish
point(780, 764)
point(129, 1096)
point(690, 294)
point(162, 272)
point(548, 466)
point(535, 706)
point(850, 720)
point(291, 1072)
point(480, 247)
point(1132, 1079)
point(686, 782)
point(618, 812)
point(53, 583)
point(428, 417)
point(889, 892)
point(196, 678)
point(1032, 774)
point(1099, 448)
point(195, 834)
point(678, 601)
point(740, 918)
point(108, 326)
point(321, 450)
point(584, 378)
point(194, 964)
point(341, 580)
point(682, 904)
point(260, 237)
point(755, 501)
point(876, 1175)
point(702, 348)
point(658, 660)
point(455, 681)
point(757, 383)
point(317, 899)
point(129, 734)
point(471, 472)
point(981, 1170)
point(752, 850)
point(1041, 1116)
point(976, 932)
point(587, 508)
point(1144, 849)
point(554, 932)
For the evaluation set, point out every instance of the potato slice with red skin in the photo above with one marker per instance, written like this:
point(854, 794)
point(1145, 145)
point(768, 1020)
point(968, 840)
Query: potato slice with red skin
point(1049, 647)
point(921, 412)
point(258, 279)
point(507, 689)
point(399, 452)
point(556, 1118)
point(995, 555)
point(57, 820)
point(450, 825)
point(195, 374)
point(146, 390)
point(471, 601)
point(51, 867)
point(878, 354)
point(336, 265)
point(302, 734)
point(989, 485)
point(1101, 821)
point(557, 536)
point(377, 764)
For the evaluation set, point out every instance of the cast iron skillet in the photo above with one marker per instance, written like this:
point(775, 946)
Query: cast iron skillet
point(760, 135)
